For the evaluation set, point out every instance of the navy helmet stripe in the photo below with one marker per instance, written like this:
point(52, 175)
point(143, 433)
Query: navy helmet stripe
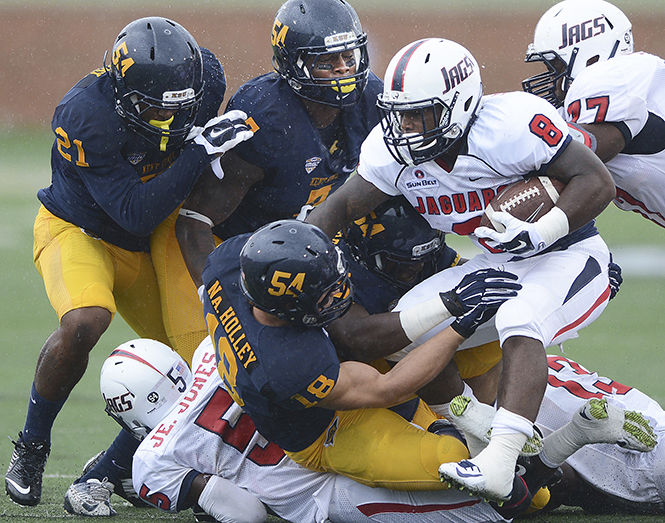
point(397, 83)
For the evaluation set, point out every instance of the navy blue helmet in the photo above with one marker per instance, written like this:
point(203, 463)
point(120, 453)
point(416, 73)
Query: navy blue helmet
point(157, 64)
point(302, 32)
point(396, 243)
point(291, 269)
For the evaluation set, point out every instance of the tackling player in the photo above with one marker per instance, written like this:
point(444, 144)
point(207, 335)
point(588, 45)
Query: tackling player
point(310, 117)
point(614, 95)
point(125, 155)
point(448, 150)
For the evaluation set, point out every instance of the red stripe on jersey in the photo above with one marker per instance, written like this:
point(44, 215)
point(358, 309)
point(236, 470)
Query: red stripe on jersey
point(603, 297)
point(370, 509)
point(126, 354)
point(623, 195)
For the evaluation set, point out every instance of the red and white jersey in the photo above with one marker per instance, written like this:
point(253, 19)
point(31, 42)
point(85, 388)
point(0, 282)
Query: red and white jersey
point(629, 90)
point(207, 433)
point(627, 474)
point(513, 135)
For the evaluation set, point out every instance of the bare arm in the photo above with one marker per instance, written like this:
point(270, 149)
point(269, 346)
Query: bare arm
point(354, 199)
point(590, 187)
point(216, 199)
point(361, 386)
point(609, 140)
point(361, 336)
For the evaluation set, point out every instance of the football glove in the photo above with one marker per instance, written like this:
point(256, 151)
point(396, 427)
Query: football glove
point(477, 298)
point(224, 132)
point(614, 273)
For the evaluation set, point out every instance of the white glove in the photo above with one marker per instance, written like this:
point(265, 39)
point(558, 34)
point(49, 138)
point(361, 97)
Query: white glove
point(523, 238)
point(224, 132)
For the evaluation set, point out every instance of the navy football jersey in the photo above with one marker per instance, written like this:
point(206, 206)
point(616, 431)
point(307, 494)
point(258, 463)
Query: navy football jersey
point(301, 164)
point(100, 166)
point(276, 374)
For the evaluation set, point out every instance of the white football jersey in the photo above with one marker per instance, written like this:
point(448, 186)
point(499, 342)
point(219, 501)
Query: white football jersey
point(206, 432)
point(627, 474)
point(513, 135)
point(629, 89)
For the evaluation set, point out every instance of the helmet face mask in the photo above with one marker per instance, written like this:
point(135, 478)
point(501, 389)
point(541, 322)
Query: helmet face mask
point(140, 381)
point(156, 68)
point(306, 35)
point(436, 83)
point(396, 243)
point(571, 36)
point(292, 270)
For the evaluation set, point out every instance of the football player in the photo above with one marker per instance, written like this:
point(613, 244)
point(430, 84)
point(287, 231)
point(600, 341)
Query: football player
point(613, 94)
point(206, 453)
point(267, 298)
point(125, 155)
point(310, 117)
point(448, 150)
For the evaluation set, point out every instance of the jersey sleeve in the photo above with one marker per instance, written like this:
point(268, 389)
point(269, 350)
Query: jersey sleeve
point(612, 91)
point(376, 164)
point(518, 133)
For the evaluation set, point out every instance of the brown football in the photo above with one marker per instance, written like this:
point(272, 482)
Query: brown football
point(527, 200)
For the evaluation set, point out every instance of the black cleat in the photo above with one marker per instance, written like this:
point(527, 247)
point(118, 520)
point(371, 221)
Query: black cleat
point(23, 482)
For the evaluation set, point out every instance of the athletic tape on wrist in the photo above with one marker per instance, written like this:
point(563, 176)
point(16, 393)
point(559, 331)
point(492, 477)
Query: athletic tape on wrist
point(417, 320)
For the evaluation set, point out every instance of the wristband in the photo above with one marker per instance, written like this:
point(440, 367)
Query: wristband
point(188, 213)
point(417, 320)
point(552, 226)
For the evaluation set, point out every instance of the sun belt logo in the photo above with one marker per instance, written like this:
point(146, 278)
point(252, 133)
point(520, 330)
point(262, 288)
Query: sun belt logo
point(420, 181)
point(312, 163)
point(456, 74)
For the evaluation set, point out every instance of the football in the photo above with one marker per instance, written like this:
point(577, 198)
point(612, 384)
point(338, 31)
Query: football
point(527, 200)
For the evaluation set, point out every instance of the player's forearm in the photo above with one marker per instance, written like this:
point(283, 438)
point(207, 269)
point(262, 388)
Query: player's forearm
point(196, 243)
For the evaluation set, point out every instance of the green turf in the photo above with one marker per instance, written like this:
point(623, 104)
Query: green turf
point(625, 343)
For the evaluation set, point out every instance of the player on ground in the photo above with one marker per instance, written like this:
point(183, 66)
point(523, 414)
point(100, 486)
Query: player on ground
point(122, 161)
point(615, 96)
point(448, 150)
point(267, 298)
point(310, 117)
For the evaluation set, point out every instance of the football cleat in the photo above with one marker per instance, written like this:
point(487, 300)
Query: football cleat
point(23, 481)
point(90, 498)
point(474, 419)
point(467, 475)
point(124, 488)
point(601, 422)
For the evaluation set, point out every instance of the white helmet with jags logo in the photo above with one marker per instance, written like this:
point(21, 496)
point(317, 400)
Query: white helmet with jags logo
point(140, 381)
point(569, 37)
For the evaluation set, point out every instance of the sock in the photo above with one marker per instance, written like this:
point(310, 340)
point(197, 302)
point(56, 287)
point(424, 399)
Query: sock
point(561, 444)
point(40, 418)
point(116, 463)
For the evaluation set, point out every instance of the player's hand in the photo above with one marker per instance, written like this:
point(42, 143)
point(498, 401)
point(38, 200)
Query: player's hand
point(224, 132)
point(477, 298)
point(520, 238)
point(614, 273)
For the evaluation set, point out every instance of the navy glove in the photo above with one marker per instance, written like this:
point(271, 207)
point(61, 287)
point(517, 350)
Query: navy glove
point(614, 273)
point(477, 298)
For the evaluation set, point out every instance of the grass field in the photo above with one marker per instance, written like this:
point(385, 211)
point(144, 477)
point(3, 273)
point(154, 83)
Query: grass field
point(626, 343)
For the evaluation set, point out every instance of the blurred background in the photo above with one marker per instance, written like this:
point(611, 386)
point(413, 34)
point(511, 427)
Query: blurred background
point(49, 46)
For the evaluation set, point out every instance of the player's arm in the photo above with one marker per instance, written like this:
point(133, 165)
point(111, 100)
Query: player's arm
point(354, 199)
point(609, 139)
point(589, 186)
point(211, 202)
point(362, 386)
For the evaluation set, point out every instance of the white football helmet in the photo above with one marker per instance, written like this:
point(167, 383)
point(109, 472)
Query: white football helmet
point(438, 81)
point(140, 381)
point(570, 36)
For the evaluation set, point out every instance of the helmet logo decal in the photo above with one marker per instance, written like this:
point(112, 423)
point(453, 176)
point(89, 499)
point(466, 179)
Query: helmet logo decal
point(338, 39)
point(280, 288)
point(178, 96)
point(576, 33)
point(121, 59)
point(457, 74)
point(278, 34)
point(153, 397)
point(364, 226)
point(312, 163)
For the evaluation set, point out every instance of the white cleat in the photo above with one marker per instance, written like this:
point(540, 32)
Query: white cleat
point(601, 422)
point(466, 475)
point(90, 498)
